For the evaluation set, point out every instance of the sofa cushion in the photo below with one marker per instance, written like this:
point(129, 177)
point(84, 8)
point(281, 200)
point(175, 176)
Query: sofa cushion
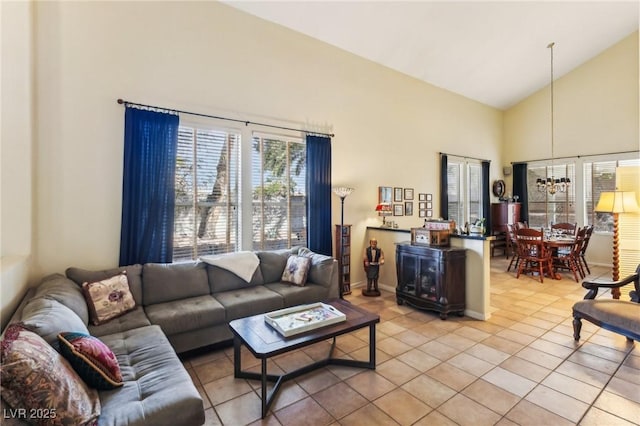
point(186, 314)
point(39, 380)
point(272, 264)
point(249, 301)
point(222, 280)
point(134, 276)
point(132, 319)
point(62, 289)
point(108, 299)
point(157, 389)
point(48, 318)
point(614, 313)
point(322, 267)
point(296, 270)
point(164, 282)
point(242, 263)
point(295, 295)
point(94, 362)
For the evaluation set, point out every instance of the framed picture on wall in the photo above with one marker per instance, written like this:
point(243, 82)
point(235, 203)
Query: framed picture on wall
point(397, 210)
point(422, 205)
point(384, 194)
point(429, 213)
point(422, 213)
point(422, 197)
point(429, 197)
point(429, 205)
point(408, 193)
point(397, 195)
point(408, 208)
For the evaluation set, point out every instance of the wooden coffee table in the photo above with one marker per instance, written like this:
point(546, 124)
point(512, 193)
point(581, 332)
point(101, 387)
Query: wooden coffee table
point(265, 342)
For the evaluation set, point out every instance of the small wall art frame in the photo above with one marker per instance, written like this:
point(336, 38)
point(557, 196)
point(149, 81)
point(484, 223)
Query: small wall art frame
point(384, 194)
point(408, 193)
point(397, 195)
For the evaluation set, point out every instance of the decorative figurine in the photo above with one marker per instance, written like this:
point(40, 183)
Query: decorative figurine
point(373, 258)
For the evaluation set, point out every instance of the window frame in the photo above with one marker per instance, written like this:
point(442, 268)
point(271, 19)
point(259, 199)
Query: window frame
point(462, 190)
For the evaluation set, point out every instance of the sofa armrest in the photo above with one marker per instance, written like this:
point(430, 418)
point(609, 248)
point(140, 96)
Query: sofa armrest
point(594, 286)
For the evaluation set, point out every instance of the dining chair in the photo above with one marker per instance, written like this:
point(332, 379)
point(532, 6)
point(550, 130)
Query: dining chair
point(583, 251)
point(565, 228)
point(570, 259)
point(512, 247)
point(520, 225)
point(534, 256)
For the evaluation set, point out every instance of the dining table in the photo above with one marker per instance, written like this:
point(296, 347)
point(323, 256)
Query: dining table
point(553, 243)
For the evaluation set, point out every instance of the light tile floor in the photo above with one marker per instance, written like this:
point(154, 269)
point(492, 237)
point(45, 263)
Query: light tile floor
point(520, 367)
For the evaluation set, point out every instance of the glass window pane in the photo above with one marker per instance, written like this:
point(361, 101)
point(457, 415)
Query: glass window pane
point(206, 192)
point(279, 192)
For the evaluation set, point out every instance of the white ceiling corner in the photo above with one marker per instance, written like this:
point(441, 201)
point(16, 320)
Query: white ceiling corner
point(492, 52)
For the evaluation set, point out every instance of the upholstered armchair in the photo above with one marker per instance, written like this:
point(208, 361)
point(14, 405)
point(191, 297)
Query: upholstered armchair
point(619, 316)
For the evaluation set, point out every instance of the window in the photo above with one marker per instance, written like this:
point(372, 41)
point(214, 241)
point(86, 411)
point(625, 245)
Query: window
point(464, 190)
point(207, 189)
point(278, 192)
point(599, 177)
point(544, 208)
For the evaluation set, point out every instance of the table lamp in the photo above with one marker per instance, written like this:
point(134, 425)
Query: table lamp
point(384, 210)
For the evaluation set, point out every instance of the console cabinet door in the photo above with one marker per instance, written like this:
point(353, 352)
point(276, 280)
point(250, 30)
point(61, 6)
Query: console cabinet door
point(431, 278)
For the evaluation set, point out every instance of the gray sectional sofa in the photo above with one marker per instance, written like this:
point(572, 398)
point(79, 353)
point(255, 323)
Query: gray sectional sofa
point(179, 307)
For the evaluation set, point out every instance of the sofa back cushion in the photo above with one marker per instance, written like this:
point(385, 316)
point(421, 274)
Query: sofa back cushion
point(272, 264)
point(47, 318)
point(134, 276)
point(165, 282)
point(62, 289)
point(221, 279)
point(322, 267)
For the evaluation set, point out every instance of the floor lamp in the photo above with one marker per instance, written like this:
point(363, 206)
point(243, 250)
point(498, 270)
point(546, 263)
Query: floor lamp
point(342, 192)
point(616, 202)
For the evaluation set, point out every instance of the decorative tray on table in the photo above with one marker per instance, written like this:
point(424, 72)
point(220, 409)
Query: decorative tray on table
point(298, 319)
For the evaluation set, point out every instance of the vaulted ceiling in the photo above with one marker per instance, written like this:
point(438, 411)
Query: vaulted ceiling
point(492, 52)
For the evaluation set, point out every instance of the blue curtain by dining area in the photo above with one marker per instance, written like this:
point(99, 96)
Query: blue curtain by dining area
point(319, 194)
point(148, 188)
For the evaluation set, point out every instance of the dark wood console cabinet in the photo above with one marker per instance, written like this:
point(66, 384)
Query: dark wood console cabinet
point(431, 278)
point(503, 214)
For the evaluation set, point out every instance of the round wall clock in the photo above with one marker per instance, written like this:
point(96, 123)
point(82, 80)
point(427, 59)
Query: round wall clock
point(498, 188)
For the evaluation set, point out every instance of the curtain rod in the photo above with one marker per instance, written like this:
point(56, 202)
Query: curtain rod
point(465, 156)
point(575, 156)
point(245, 122)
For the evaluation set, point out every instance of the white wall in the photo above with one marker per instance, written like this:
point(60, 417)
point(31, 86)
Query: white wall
point(16, 119)
point(210, 58)
point(596, 112)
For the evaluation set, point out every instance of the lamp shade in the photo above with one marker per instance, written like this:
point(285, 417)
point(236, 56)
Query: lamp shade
point(383, 208)
point(617, 202)
point(342, 191)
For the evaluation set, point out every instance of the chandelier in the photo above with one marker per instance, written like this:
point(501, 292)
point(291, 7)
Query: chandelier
point(551, 184)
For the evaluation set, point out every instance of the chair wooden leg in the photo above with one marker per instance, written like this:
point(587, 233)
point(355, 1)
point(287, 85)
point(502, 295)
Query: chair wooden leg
point(577, 326)
point(572, 266)
point(586, 265)
point(541, 271)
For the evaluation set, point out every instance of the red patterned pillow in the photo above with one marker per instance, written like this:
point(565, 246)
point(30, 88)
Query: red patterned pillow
point(38, 380)
point(92, 360)
point(108, 299)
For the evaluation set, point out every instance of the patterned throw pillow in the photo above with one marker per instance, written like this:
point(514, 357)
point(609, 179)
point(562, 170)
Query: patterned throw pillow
point(108, 299)
point(92, 360)
point(296, 270)
point(38, 380)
